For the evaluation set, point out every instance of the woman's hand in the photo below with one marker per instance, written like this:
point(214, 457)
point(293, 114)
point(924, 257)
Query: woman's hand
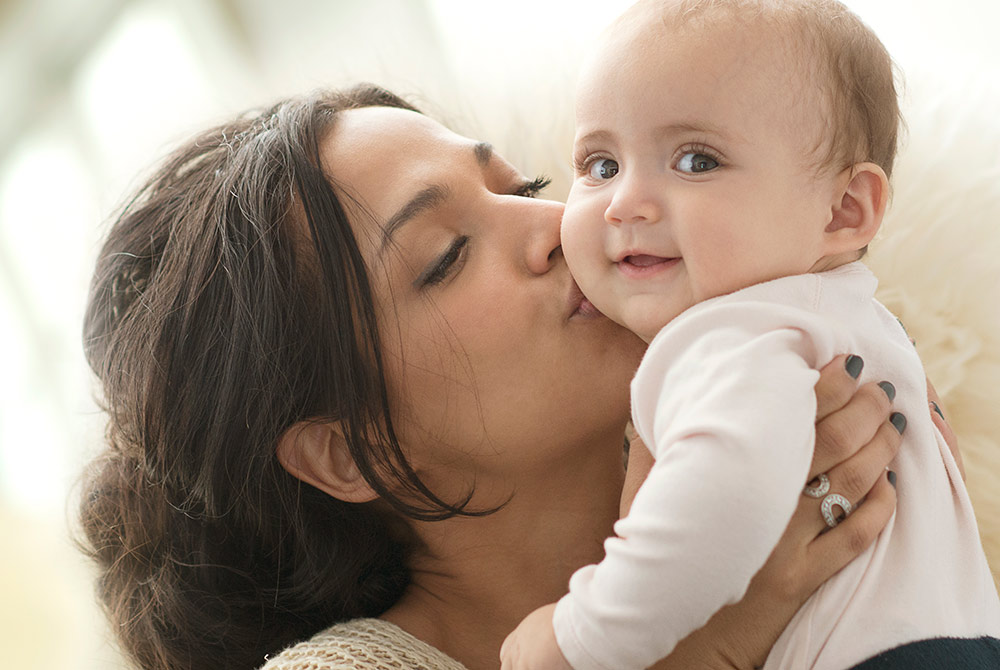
point(855, 441)
point(937, 416)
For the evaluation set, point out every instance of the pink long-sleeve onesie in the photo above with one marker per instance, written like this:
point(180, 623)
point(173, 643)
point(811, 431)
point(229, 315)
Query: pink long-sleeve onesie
point(724, 400)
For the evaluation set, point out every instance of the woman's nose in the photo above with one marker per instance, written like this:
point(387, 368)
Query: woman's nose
point(635, 200)
point(541, 238)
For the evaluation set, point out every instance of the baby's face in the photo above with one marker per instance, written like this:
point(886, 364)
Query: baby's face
point(693, 174)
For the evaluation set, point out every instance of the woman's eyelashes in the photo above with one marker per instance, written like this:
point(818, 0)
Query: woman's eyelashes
point(532, 188)
point(445, 264)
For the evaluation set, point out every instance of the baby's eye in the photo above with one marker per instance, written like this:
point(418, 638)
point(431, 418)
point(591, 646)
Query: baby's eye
point(695, 163)
point(603, 168)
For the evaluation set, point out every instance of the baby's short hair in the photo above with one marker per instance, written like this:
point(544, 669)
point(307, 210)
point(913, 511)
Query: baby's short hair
point(860, 115)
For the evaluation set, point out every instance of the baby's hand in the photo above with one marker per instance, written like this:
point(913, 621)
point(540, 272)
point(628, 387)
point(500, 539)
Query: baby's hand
point(532, 645)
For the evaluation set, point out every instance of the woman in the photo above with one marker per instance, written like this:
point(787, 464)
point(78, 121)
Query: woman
point(348, 375)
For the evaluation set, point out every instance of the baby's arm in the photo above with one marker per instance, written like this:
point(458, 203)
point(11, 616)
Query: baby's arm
point(533, 644)
point(732, 424)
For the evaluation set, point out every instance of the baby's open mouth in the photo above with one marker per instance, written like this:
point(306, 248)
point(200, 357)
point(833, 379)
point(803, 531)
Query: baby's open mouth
point(645, 265)
point(645, 261)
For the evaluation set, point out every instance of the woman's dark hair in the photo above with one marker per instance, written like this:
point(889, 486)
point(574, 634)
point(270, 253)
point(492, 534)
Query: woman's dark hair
point(230, 301)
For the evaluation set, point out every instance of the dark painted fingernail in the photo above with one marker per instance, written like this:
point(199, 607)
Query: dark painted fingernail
point(892, 478)
point(889, 389)
point(898, 421)
point(937, 409)
point(854, 364)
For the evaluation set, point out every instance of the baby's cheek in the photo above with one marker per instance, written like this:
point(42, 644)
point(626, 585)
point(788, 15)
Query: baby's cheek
point(718, 261)
point(581, 241)
point(574, 221)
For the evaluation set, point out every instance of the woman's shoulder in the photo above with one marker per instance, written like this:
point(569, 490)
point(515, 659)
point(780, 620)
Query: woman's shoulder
point(362, 644)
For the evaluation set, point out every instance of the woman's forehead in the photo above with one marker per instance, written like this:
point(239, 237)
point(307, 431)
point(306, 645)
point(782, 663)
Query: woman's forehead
point(379, 155)
point(383, 138)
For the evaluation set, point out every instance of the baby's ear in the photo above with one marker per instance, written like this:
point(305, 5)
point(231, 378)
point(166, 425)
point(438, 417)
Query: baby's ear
point(317, 453)
point(858, 207)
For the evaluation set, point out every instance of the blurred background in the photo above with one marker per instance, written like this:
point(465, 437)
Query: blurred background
point(92, 92)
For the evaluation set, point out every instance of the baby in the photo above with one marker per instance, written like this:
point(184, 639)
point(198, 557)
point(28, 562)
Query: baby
point(732, 165)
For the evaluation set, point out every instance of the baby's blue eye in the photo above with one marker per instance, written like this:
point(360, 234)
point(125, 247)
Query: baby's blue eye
point(695, 163)
point(603, 168)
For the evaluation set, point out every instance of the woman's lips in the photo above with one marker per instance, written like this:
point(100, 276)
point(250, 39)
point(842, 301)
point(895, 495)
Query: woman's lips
point(640, 266)
point(587, 308)
point(579, 305)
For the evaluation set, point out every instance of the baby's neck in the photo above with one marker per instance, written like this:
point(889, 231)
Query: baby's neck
point(832, 262)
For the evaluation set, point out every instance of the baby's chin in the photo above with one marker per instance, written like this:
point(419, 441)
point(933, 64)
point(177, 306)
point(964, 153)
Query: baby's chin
point(643, 314)
point(647, 331)
point(645, 325)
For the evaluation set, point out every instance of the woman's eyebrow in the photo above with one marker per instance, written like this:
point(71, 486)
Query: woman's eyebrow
point(427, 198)
point(484, 152)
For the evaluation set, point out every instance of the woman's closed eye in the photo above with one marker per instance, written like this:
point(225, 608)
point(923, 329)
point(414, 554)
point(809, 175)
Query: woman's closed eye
point(445, 264)
point(454, 256)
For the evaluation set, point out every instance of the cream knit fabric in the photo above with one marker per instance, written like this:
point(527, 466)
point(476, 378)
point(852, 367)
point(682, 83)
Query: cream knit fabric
point(363, 644)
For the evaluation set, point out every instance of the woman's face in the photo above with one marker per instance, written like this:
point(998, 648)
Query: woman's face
point(495, 368)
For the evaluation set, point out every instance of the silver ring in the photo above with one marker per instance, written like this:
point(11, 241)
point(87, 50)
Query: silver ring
point(820, 489)
point(834, 499)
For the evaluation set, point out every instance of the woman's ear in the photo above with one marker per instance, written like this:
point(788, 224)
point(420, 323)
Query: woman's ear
point(317, 453)
point(858, 207)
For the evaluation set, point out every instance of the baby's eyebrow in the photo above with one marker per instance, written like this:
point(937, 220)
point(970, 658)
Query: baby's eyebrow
point(669, 129)
point(592, 136)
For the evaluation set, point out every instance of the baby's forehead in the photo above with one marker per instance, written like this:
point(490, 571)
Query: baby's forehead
point(775, 53)
point(772, 45)
point(746, 62)
point(775, 24)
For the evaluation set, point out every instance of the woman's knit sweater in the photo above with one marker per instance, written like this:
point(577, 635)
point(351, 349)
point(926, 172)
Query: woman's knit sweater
point(362, 644)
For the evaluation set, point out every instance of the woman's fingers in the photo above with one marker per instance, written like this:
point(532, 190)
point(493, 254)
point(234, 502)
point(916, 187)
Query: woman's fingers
point(937, 416)
point(837, 383)
point(860, 474)
point(831, 551)
point(854, 478)
point(840, 434)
